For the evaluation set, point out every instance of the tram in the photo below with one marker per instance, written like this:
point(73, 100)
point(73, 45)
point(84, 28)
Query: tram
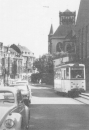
point(70, 78)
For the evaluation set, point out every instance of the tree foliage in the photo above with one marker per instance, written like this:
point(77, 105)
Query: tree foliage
point(44, 64)
point(45, 68)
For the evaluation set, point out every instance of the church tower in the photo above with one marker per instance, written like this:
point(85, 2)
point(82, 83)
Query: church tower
point(49, 40)
point(61, 40)
point(67, 17)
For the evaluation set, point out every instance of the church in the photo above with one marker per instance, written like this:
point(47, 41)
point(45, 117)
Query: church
point(70, 42)
point(63, 39)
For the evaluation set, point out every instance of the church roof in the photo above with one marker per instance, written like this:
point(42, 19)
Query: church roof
point(51, 30)
point(83, 14)
point(67, 12)
point(63, 30)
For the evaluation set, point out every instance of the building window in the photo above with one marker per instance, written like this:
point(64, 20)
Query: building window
point(70, 48)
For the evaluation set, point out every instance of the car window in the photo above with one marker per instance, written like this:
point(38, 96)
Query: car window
point(7, 96)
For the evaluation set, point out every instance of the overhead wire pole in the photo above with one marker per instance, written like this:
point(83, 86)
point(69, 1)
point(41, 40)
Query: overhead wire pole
point(48, 7)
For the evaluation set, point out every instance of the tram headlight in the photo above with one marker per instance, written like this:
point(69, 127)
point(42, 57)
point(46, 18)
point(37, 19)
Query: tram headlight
point(77, 86)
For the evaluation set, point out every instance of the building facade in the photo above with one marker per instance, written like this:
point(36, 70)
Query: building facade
point(14, 61)
point(82, 32)
point(28, 59)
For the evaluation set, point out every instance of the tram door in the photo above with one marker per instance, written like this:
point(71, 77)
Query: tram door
point(63, 79)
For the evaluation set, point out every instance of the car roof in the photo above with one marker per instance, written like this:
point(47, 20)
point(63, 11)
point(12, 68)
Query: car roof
point(12, 89)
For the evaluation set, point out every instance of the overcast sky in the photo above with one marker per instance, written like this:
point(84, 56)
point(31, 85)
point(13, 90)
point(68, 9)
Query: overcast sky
point(28, 22)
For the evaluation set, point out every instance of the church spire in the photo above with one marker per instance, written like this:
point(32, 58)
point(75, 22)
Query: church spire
point(51, 30)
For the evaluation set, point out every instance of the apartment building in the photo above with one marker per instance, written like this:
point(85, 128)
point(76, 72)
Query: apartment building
point(15, 60)
point(28, 59)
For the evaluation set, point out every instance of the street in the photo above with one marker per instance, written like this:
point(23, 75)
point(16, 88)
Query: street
point(50, 111)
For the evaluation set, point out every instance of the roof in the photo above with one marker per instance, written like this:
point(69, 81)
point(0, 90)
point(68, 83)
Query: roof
point(63, 30)
point(23, 48)
point(15, 48)
point(70, 65)
point(67, 10)
point(12, 50)
point(12, 89)
point(51, 30)
point(68, 13)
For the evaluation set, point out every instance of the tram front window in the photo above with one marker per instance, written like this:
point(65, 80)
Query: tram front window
point(77, 74)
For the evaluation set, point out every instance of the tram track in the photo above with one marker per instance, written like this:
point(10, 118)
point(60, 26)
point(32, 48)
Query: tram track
point(83, 98)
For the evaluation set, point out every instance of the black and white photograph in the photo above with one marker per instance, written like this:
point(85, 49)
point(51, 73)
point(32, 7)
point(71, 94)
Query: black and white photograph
point(44, 64)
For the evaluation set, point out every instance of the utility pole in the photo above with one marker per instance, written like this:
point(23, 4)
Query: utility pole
point(8, 74)
point(4, 70)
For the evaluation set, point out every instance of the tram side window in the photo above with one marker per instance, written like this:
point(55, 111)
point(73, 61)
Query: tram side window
point(62, 74)
point(58, 74)
point(67, 73)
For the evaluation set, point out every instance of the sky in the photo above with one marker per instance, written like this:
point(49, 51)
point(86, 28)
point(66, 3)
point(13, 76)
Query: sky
point(28, 22)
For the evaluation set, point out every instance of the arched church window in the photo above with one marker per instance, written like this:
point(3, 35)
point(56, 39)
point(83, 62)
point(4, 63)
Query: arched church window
point(59, 47)
point(69, 48)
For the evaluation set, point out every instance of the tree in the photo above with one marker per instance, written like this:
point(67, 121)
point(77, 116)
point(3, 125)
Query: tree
point(44, 64)
point(45, 67)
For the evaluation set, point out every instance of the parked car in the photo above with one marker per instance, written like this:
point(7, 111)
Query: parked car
point(25, 90)
point(12, 81)
point(14, 115)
